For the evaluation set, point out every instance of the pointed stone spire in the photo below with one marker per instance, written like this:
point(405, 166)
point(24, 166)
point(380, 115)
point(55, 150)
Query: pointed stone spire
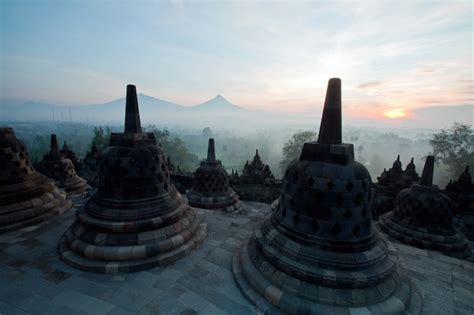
point(54, 147)
point(330, 131)
point(211, 151)
point(427, 177)
point(256, 152)
point(132, 115)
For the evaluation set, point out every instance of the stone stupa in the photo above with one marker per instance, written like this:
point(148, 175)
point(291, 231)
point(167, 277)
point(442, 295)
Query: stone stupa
point(137, 219)
point(62, 170)
point(211, 189)
point(423, 217)
point(26, 196)
point(318, 252)
point(256, 171)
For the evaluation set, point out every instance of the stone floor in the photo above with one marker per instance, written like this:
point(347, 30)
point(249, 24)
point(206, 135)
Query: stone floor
point(34, 280)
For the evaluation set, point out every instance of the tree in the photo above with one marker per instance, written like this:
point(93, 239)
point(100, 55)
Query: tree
point(207, 133)
point(101, 138)
point(454, 148)
point(175, 149)
point(292, 148)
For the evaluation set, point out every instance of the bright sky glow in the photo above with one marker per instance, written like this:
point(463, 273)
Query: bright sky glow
point(392, 57)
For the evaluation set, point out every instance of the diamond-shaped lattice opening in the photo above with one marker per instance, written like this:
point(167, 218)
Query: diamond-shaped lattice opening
point(356, 230)
point(339, 199)
point(310, 182)
point(349, 186)
point(296, 219)
point(318, 196)
point(364, 213)
point(364, 185)
point(358, 199)
point(326, 212)
point(336, 229)
point(307, 207)
point(315, 226)
point(330, 184)
point(348, 214)
point(295, 177)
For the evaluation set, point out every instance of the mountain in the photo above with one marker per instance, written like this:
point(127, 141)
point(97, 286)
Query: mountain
point(152, 110)
point(217, 104)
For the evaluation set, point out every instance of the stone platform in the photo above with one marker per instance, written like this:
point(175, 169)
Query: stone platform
point(33, 280)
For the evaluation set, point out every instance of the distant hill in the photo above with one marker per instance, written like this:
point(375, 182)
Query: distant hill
point(217, 105)
point(219, 112)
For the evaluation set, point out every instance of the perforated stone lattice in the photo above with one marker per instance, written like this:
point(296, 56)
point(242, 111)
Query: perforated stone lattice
point(424, 209)
point(211, 182)
point(14, 163)
point(133, 173)
point(334, 208)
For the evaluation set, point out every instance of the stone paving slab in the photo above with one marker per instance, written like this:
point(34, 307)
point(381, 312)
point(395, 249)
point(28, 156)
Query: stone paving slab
point(34, 281)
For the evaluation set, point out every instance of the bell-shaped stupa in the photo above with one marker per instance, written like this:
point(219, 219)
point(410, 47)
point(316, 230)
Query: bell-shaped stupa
point(61, 169)
point(423, 218)
point(318, 252)
point(211, 189)
point(26, 196)
point(137, 219)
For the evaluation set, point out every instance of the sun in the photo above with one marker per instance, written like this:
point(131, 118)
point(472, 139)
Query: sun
point(395, 113)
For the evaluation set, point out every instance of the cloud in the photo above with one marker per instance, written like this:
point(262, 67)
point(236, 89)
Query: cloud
point(369, 85)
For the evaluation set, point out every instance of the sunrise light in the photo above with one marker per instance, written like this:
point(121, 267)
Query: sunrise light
point(395, 113)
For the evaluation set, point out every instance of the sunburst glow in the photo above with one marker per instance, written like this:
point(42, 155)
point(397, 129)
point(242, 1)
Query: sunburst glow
point(395, 113)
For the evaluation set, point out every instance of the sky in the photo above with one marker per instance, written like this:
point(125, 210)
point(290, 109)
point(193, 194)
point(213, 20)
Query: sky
point(392, 57)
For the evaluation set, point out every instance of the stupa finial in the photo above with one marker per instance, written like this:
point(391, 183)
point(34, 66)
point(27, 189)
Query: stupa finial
point(132, 115)
point(330, 131)
point(427, 176)
point(54, 147)
point(211, 151)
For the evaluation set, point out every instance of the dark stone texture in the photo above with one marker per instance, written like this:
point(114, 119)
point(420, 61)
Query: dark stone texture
point(26, 196)
point(320, 236)
point(137, 219)
point(61, 169)
point(211, 189)
point(423, 217)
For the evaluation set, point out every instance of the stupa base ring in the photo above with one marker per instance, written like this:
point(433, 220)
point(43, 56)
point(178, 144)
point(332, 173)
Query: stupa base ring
point(454, 245)
point(113, 266)
point(35, 210)
point(270, 299)
point(225, 204)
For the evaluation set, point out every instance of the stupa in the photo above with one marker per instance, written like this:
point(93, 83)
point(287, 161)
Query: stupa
point(461, 192)
point(389, 184)
point(256, 171)
point(211, 189)
point(67, 153)
point(90, 166)
point(61, 169)
point(136, 220)
point(26, 196)
point(423, 218)
point(410, 170)
point(318, 252)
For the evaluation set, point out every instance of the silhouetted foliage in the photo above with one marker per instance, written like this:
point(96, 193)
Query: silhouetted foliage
point(454, 147)
point(292, 148)
point(101, 138)
point(176, 149)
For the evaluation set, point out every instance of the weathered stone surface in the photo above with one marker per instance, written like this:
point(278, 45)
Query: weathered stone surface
point(318, 252)
point(137, 219)
point(26, 196)
point(423, 218)
point(389, 184)
point(56, 166)
point(211, 189)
